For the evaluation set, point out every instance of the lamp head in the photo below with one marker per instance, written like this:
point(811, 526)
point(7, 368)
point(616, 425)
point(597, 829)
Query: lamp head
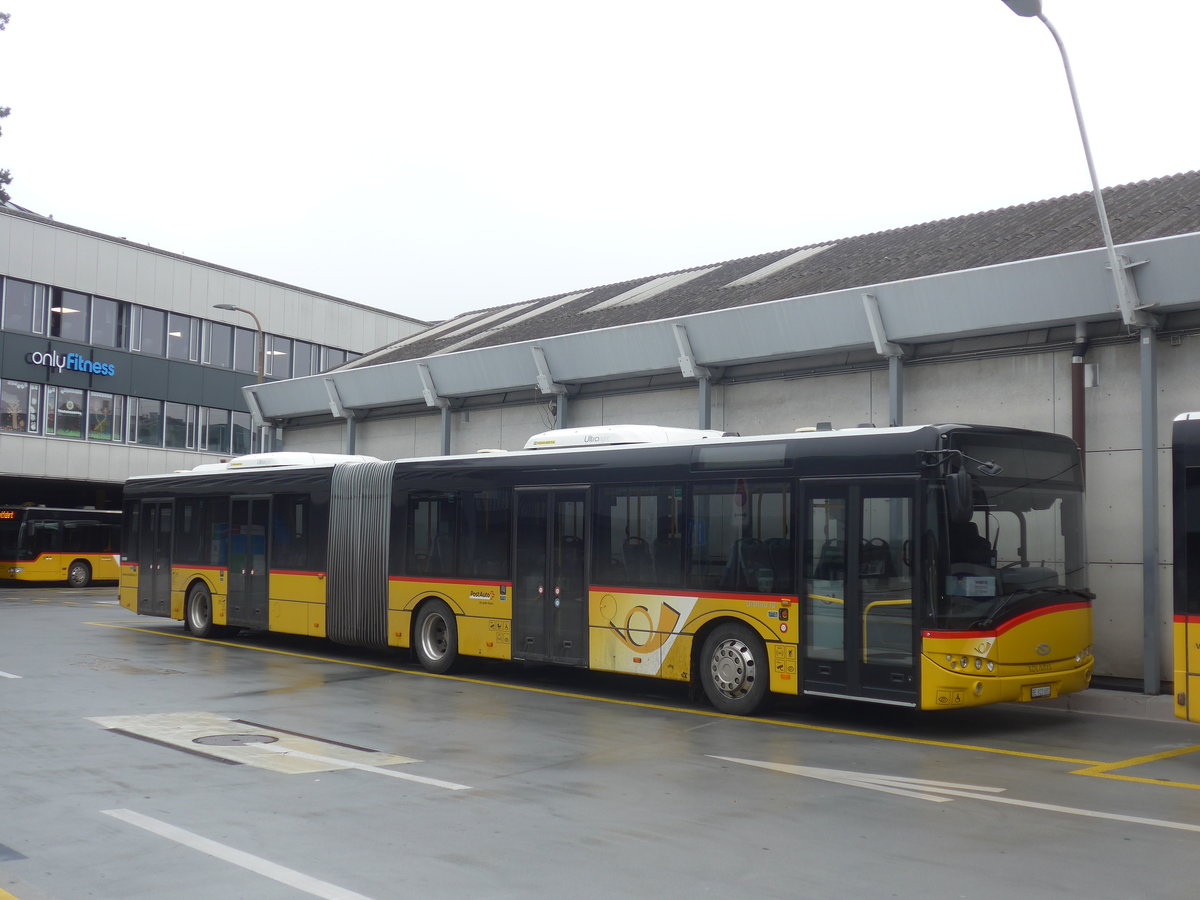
point(1027, 8)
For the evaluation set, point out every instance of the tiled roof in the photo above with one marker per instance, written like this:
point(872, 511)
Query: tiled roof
point(1143, 210)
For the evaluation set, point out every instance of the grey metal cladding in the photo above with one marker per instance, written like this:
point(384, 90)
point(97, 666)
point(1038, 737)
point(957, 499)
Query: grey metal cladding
point(359, 534)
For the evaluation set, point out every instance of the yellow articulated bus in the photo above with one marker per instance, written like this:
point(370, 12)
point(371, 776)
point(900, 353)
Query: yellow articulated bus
point(937, 567)
point(1185, 453)
point(75, 546)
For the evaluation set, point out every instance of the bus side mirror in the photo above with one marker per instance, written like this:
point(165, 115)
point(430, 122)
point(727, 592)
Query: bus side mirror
point(959, 503)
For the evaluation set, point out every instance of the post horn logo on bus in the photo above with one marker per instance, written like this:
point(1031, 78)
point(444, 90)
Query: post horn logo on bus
point(52, 359)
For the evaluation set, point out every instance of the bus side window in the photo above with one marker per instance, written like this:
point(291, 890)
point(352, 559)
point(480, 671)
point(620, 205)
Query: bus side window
point(431, 521)
point(290, 533)
point(483, 532)
point(740, 536)
point(639, 535)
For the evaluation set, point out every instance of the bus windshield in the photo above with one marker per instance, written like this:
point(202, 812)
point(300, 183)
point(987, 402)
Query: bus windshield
point(10, 532)
point(1023, 545)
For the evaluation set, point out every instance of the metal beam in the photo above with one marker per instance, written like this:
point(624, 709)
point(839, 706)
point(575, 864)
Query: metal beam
point(1151, 653)
point(687, 359)
point(883, 346)
point(335, 401)
point(894, 353)
point(429, 390)
point(545, 381)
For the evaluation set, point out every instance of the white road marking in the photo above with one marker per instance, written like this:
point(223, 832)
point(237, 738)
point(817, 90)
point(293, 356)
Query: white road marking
point(8, 675)
point(944, 791)
point(391, 773)
point(187, 731)
point(248, 861)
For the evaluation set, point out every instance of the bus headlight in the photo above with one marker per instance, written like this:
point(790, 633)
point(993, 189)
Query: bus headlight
point(1083, 654)
point(991, 666)
point(15, 570)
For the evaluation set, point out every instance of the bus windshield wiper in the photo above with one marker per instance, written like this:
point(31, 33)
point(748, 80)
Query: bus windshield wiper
point(1022, 593)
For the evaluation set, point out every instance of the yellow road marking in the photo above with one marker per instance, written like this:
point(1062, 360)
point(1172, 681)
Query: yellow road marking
point(1106, 770)
point(1093, 768)
point(5, 895)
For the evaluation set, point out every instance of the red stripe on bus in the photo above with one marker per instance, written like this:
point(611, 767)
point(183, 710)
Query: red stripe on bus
point(417, 579)
point(722, 595)
point(1011, 623)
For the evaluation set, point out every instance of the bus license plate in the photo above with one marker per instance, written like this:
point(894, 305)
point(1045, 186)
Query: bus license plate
point(1039, 692)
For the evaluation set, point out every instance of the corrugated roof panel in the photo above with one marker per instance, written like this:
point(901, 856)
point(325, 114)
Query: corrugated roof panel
point(652, 288)
point(779, 265)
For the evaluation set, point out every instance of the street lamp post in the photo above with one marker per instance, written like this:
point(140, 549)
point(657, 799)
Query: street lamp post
point(1130, 312)
point(262, 338)
point(262, 365)
point(1134, 317)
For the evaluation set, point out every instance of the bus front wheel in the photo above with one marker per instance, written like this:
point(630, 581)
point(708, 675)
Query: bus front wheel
point(436, 637)
point(198, 612)
point(733, 669)
point(79, 574)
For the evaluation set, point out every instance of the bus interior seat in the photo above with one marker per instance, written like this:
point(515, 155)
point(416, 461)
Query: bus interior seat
point(635, 553)
point(831, 561)
point(668, 558)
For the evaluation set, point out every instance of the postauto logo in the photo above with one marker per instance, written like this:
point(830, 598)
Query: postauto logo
point(73, 362)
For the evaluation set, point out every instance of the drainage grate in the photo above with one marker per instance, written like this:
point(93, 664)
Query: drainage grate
point(234, 740)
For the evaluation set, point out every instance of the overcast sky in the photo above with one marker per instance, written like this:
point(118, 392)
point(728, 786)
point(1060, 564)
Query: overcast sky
point(437, 157)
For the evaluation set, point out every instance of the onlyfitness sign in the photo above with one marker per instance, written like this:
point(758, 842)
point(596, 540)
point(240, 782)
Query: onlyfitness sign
point(72, 362)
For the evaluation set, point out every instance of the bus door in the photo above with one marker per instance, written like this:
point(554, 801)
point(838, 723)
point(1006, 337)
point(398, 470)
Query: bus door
point(549, 588)
point(154, 558)
point(858, 634)
point(248, 573)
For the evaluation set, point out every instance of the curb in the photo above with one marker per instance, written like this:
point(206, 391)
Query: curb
point(1124, 704)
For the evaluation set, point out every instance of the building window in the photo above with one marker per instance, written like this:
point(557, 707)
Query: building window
point(104, 416)
point(304, 359)
point(279, 356)
point(108, 323)
point(180, 420)
point(183, 337)
point(19, 406)
point(24, 307)
point(64, 412)
point(150, 331)
point(331, 358)
point(145, 422)
point(241, 433)
point(214, 430)
point(218, 345)
point(244, 347)
point(69, 316)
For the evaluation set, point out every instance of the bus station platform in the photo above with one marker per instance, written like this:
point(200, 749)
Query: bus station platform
point(1124, 704)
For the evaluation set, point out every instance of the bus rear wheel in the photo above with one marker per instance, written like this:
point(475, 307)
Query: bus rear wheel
point(733, 669)
point(198, 612)
point(79, 574)
point(436, 637)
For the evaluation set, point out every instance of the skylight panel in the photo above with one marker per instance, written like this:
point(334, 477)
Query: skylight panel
point(538, 310)
point(779, 265)
point(651, 288)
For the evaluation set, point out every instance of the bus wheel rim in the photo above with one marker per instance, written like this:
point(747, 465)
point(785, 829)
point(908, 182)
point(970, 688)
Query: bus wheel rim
point(732, 668)
point(198, 611)
point(433, 636)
